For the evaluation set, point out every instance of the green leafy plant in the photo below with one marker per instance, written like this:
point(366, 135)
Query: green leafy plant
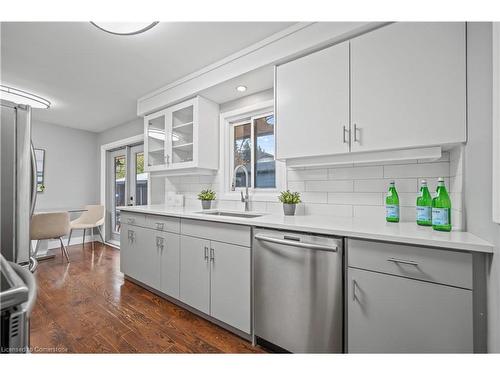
point(207, 195)
point(288, 197)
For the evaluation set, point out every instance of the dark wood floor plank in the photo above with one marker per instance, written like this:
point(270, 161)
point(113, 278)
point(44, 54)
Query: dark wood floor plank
point(88, 307)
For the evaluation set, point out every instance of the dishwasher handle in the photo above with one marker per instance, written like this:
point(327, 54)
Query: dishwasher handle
point(310, 246)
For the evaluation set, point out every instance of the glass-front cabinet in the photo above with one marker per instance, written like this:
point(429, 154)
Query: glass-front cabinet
point(155, 135)
point(183, 139)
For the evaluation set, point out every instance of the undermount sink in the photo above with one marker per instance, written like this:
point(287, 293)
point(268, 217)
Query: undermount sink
point(231, 213)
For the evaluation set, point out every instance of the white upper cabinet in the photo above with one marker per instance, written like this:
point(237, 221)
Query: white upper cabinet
point(183, 138)
point(401, 87)
point(312, 104)
point(408, 86)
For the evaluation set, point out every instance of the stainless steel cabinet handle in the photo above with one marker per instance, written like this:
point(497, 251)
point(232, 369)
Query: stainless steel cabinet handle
point(344, 130)
point(160, 226)
point(305, 245)
point(402, 261)
point(354, 286)
point(131, 236)
point(130, 220)
point(159, 243)
point(205, 253)
point(356, 130)
point(212, 254)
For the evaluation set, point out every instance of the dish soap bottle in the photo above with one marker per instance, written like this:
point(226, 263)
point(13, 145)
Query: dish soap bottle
point(424, 205)
point(441, 208)
point(392, 204)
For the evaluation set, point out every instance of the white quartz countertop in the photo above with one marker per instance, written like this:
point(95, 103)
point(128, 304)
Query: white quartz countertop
point(370, 229)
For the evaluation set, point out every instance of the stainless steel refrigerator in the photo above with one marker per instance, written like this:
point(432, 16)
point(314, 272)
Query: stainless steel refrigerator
point(17, 181)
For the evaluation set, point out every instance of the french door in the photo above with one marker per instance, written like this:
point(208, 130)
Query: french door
point(128, 184)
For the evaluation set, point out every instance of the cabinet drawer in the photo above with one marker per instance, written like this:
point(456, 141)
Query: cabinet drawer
point(163, 223)
point(133, 218)
point(229, 233)
point(429, 264)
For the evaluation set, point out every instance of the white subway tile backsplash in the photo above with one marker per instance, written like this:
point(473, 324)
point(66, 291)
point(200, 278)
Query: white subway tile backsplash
point(307, 174)
point(348, 190)
point(374, 199)
point(382, 185)
point(314, 197)
point(331, 185)
point(417, 170)
point(296, 185)
point(337, 210)
point(354, 173)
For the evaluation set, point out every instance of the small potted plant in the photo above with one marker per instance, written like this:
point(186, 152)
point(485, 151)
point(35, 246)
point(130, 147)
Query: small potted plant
point(206, 197)
point(289, 201)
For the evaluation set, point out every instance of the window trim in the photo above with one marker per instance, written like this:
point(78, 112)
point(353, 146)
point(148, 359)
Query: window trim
point(227, 122)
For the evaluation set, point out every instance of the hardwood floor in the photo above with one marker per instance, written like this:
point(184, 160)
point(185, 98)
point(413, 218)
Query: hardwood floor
point(86, 306)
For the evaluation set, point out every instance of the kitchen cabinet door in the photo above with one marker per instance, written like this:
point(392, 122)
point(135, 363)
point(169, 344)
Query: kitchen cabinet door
point(169, 244)
point(230, 284)
point(140, 256)
point(391, 314)
point(194, 285)
point(312, 104)
point(408, 86)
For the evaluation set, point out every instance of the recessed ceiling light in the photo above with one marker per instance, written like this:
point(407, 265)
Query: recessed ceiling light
point(241, 88)
point(23, 97)
point(124, 28)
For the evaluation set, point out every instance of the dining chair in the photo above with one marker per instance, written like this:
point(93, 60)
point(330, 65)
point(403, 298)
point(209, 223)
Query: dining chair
point(92, 217)
point(50, 225)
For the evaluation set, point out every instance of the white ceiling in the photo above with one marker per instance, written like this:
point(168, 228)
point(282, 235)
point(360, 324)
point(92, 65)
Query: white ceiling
point(255, 81)
point(93, 79)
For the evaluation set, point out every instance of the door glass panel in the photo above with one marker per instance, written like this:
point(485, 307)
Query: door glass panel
point(141, 180)
point(156, 141)
point(120, 168)
point(182, 135)
point(242, 152)
point(265, 165)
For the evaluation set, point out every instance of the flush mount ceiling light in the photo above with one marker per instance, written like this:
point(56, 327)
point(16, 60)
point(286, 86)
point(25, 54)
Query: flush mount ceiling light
point(124, 28)
point(241, 88)
point(23, 97)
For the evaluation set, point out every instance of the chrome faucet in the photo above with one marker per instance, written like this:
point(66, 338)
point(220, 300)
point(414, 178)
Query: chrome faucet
point(244, 198)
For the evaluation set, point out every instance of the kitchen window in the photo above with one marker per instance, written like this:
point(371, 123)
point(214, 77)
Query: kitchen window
point(248, 138)
point(253, 146)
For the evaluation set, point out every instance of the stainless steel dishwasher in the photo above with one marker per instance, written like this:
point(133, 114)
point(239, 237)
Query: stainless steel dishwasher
point(298, 293)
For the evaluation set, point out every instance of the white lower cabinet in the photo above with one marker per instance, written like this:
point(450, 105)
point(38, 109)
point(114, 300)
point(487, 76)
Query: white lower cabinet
point(169, 244)
point(151, 257)
point(230, 284)
point(215, 279)
point(140, 255)
point(392, 314)
point(195, 273)
point(205, 273)
point(408, 299)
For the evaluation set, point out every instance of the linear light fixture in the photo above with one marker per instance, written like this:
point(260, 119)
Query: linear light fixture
point(124, 28)
point(23, 97)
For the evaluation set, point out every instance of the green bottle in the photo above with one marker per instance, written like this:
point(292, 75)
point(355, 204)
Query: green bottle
point(441, 208)
point(424, 205)
point(392, 204)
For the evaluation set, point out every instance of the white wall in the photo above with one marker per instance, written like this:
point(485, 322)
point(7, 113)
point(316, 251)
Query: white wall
point(478, 164)
point(71, 179)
